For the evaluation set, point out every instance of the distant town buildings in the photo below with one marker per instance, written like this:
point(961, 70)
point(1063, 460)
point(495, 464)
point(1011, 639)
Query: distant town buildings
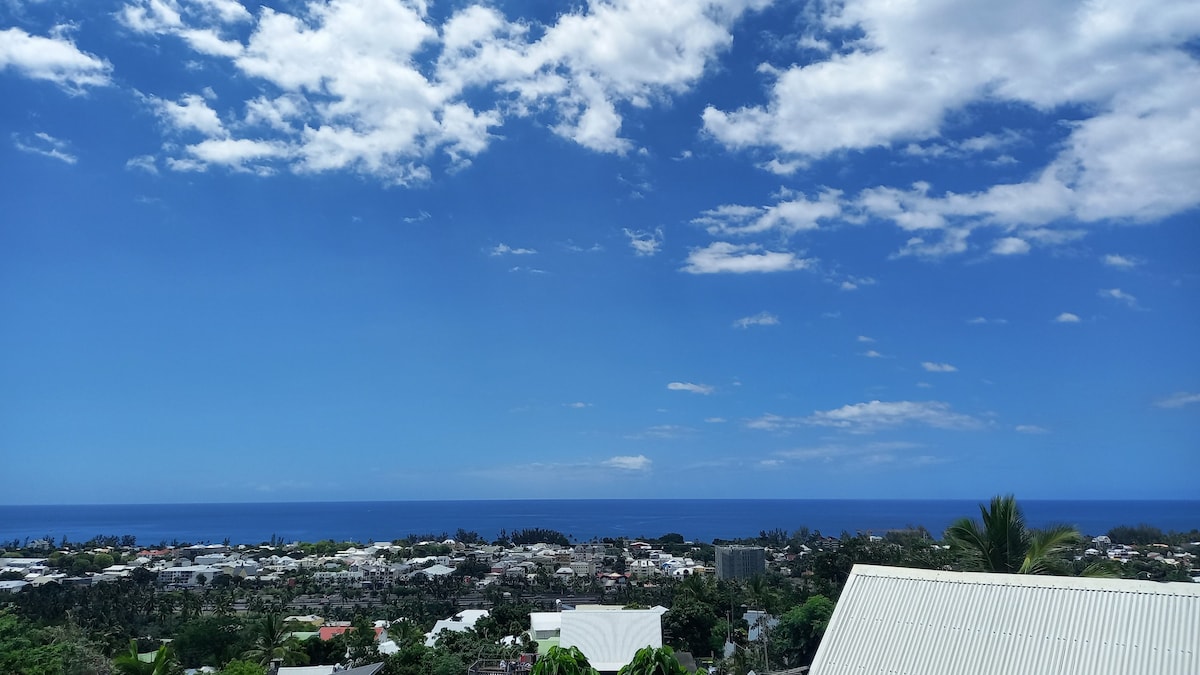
point(740, 562)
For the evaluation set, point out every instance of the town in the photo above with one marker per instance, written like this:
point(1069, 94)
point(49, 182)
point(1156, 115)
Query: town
point(459, 605)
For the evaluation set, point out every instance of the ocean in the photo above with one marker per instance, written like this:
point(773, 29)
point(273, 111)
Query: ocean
point(582, 520)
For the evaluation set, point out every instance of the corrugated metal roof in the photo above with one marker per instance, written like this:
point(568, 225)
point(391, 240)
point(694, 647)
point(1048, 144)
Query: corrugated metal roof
point(907, 621)
point(609, 639)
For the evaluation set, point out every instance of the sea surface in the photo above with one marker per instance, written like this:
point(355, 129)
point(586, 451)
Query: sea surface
point(582, 520)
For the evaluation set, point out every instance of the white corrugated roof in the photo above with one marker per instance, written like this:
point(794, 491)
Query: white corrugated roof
point(898, 621)
point(609, 639)
point(542, 621)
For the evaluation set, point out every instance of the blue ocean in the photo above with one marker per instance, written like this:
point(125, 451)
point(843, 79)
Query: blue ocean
point(582, 520)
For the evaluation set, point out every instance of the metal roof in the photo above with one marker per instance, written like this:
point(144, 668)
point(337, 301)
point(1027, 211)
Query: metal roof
point(610, 638)
point(901, 621)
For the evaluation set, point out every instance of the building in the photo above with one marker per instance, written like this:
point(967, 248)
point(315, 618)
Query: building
point(740, 562)
point(610, 637)
point(896, 620)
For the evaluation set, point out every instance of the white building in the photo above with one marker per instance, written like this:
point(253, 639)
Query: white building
point(188, 575)
point(610, 637)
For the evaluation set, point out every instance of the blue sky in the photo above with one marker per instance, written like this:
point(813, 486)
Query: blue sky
point(377, 249)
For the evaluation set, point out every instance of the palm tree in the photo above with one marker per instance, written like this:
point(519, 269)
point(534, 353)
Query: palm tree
point(130, 664)
point(272, 641)
point(1003, 543)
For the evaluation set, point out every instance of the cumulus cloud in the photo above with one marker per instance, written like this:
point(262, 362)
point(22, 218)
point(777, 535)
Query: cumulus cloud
point(1118, 295)
point(645, 243)
point(1120, 261)
point(1067, 317)
point(45, 145)
point(760, 319)
point(911, 70)
point(505, 249)
point(872, 416)
point(793, 213)
point(872, 354)
point(142, 163)
point(1010, 246)
point(875, 415)
point(1178, 400)
point(191, 113)
point(629, 462)
point(705, 389)
point(1030, 429)
point(54, 59)
point(720, 257)
point(984, 321)
point(578, 405)
point(932, 367)
point(865, 339)
point(370, 103)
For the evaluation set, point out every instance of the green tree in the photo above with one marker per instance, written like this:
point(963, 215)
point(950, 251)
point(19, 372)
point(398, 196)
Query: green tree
point(796, 638)
point(652, 661)
point(239, 667)
point(1002, 542)
point(163, 663)
point(690, 623)
point(271, 641)
point(563, 661)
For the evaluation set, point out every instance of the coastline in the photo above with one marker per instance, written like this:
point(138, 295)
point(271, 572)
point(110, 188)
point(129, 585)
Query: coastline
point(696, 519)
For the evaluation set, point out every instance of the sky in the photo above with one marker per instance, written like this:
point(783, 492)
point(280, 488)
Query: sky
point(387, 249)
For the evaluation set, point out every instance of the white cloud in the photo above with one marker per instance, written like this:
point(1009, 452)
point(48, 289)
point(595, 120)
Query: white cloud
point(1178, 400)
point(645, 243)
point(45, 145)
point(1118, 295)
point(629, 462)
point(578, 405)
point(938, 367)
point(662, 431)
point(1030, 429)
point(715, 420)
point(191, 113)
point(912, 67)
point(370, 106)
point(505, 249)
point(865, 339)
point(1010, 246)
point(874, 415)
point(722, 256)
point(1120, 261)
point(854, 283)
point(984, 321)
point(705, 389)
point(772, 422)
point(1066, 317)
point(760, 319)
point(872, 354)
point(793, 213)
point(228, 11)
point(53, 59)
point(143, 163)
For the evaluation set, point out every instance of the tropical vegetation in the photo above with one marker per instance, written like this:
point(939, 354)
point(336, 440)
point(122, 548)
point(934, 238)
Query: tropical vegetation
point(237, 625)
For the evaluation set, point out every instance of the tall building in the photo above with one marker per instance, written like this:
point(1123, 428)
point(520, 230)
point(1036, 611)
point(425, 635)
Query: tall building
point(740, 562)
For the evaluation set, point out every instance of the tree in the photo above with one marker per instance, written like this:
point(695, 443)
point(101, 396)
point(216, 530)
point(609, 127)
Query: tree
point(651, 661)
point(690, 622)
point(799, 632)
point(128, 663)
point(563, 661)
point(1002, 543)
point(242, 668)
point(272, 641)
